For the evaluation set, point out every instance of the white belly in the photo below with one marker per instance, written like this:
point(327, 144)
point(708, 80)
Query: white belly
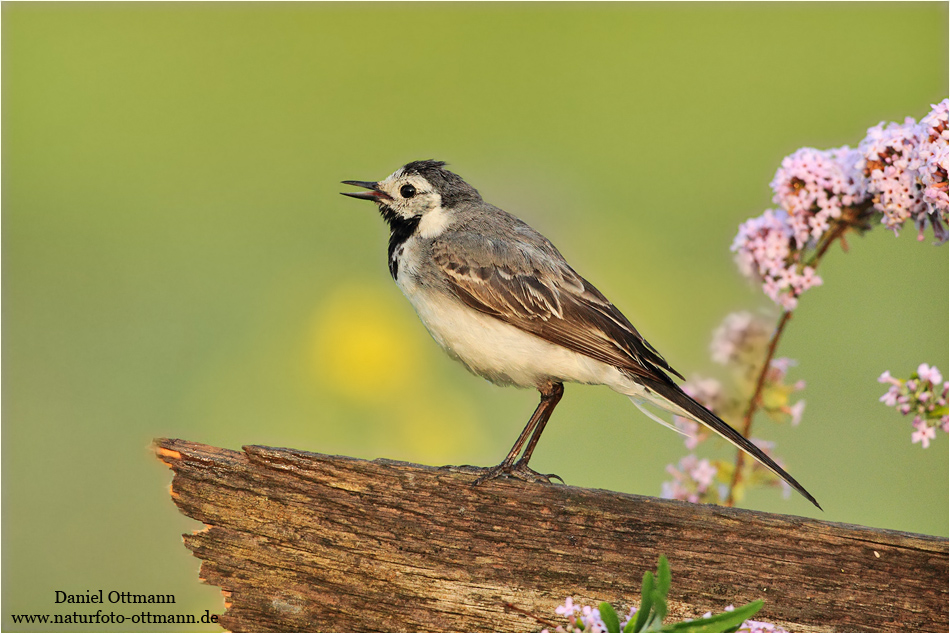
point(503, 353)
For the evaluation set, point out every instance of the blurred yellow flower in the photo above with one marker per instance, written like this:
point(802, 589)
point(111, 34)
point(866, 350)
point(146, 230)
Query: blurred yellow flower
point(365, 346)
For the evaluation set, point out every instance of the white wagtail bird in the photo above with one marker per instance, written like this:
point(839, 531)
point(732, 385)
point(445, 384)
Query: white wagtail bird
point(499, 297)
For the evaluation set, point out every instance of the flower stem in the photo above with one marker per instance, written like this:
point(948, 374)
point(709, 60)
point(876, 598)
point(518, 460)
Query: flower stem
point(754, 402)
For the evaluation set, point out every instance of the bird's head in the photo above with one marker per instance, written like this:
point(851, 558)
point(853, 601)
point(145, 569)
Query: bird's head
point(415, 190)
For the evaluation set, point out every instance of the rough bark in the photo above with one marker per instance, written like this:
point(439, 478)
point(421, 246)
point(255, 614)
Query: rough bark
point(308, 542)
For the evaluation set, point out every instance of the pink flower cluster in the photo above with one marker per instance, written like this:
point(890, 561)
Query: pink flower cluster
point(888, 152)
point(698, 480)
point(741, 340)
point(775, 380)
point(906, 170)
point(763, 249)
point(933, 158)
point(923, 396)
point(692, 481)
point(754, 626)
point(585, 619)
point(740, 343)
point(899, 169)
point(813, 186)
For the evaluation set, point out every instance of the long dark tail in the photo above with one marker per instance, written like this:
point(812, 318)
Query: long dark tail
point(673, 393)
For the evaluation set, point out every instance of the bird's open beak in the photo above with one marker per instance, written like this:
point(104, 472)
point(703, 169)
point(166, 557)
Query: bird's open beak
point(374, 196)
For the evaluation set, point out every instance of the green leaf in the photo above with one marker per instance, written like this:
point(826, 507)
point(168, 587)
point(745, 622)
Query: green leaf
point(646, 602)
point(609, 616)
point(663, 577)
point(632, 624)
point(936, 413)
point(659, 610)
point(663, 580)
point(726, 622)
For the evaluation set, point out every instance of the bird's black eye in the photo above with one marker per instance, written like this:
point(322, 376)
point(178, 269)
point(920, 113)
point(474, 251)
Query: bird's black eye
point(407, 191)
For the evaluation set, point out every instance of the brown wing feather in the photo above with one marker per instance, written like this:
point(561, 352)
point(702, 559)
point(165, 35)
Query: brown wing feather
point(541, 294)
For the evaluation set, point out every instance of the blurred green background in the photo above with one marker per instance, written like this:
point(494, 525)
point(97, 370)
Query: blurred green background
point(177, 260)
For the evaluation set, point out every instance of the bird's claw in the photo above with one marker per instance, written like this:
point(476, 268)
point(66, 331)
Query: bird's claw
point(519, 471)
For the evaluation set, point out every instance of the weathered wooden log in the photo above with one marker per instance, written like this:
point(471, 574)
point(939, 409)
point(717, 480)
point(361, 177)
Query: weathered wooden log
point(307, 542)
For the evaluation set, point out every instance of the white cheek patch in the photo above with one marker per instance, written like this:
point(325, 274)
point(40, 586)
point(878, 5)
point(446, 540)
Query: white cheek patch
point(422, 205)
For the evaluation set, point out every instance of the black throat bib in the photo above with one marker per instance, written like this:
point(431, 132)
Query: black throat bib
point(400, 229)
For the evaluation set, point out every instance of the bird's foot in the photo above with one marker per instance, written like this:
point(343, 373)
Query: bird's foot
point(518, 470)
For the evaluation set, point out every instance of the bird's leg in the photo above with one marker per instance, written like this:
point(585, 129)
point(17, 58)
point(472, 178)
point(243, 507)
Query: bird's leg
point(549, 399)
point(551, 393)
